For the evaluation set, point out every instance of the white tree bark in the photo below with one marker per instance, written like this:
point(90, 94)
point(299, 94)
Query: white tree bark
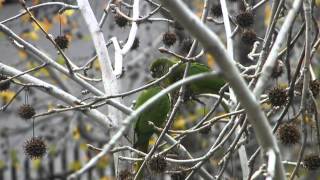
point(96, 116)
point(112, 85)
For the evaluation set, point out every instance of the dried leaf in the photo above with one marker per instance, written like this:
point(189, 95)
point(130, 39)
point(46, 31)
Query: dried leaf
point(7, 95)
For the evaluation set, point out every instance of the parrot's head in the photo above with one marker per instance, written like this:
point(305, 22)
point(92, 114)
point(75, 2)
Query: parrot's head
point(160, 67)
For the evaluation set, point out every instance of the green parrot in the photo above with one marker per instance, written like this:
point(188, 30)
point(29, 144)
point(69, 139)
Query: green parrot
point(208, 85)
point(157, 113)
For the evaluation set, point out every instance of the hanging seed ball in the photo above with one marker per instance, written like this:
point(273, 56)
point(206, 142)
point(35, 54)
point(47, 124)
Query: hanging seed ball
point(241, 5)
point(125, 175)
point(277, 96)
point(315, 87)
point(135, 44)
point(157, 164)
point(62, 42)
point(245, 19)
point(120, 20)
point(249, 37)
point(26, 111)
point(289, 134)
point(186, 44)
point(169, 38)
point(278, 69)
point(35, 148)
point(312, 162)
point(216, 10)
point(4, 84)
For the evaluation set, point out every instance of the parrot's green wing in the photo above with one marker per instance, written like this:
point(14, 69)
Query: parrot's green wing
point(156, 113)
point(208, 85)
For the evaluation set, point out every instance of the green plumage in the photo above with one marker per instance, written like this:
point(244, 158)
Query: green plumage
point(156, 113)
point(208, 85)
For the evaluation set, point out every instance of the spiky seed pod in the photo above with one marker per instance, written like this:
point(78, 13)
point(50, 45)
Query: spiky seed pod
point(186, 44)
point(120, 20)
point(26, 111)
point(278, 69)
point(4, 83)
point(289, 134)
point(216, 10)
point(157, 164)
point(135, 44)
point(169, 38)
point(245, 19)
point(125, 175)
point(315, 87)
point(277, 96)
point(249, 37)
point(62, 42)
point(311, 162)
point(241, 5)
point(35, 148)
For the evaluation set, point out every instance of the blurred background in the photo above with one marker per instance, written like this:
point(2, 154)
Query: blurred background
point(68, 133)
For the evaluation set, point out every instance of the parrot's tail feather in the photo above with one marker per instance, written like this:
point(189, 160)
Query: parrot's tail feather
point(144, 148)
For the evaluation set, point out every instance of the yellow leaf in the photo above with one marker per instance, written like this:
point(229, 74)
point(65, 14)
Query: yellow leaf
point(6, 96)
point(69, 12)
point(83, 146)
point(152, 140)
point(75, 165)
point(52, 150)
point(42, 71)
point(106, 178)
point(96, 65)
point(308, 120)
point(76, 133)
point(266, 106)
point(35, 2)
point(36, 163)
point(179, 123)
point(89, 127)
point(198, 6)
point(267, 14)
point(60, 60)
point(61, 18)
point(32, 35)
point(1, 3)
point(22, 54)
point(50, 106)
point(14, 158)
point(2, 164)
point(103, 162)
point(210, 60)
point(1, 35)
point(317, 3)
point(25, 18)
point(45, 24)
